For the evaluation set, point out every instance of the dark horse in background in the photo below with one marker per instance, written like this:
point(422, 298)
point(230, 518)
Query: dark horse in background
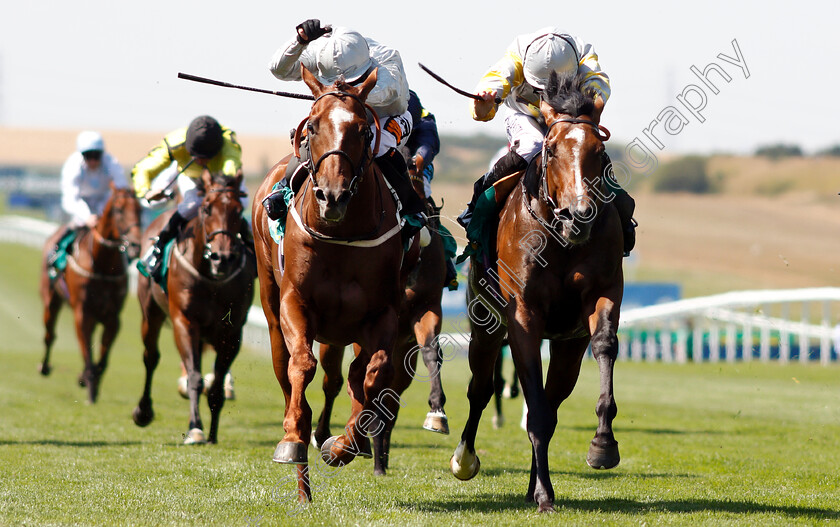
point(419, 327)
point(94, 283)
point(335, 277)
point(559, 251)
point(209, 289)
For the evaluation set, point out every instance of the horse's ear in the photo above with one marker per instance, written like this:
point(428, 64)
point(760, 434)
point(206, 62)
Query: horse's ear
point(549, 113)
point(314, 84)
point(368, 84)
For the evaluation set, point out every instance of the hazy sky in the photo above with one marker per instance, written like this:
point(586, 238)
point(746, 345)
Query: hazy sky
point(113, 65)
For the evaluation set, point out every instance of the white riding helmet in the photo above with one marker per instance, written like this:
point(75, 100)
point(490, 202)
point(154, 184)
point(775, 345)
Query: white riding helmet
point(344, 52)
point(87, 141)
point(547, 53)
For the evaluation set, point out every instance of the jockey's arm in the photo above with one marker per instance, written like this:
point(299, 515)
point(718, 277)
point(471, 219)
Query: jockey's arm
point(71, 186)
point(148, 168)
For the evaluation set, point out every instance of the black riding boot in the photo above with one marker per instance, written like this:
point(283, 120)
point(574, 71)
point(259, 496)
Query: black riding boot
point(153, 259)
point(625, 205)
point(393, 167)
point(508, 164)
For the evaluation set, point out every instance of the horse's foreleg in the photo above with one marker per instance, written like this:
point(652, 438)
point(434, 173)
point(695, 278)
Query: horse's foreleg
point(188, 342)
point(483, 350)
point(225, 355)
point(524, 335)
point(603, 451)
point(498, 388)
point(153, 318)
point(342, 449)
point(426, 331)
point(331, 359)
point(84, 334)
point(404, 360)
point(52, 305)
point(111, 328)
point(296, 352)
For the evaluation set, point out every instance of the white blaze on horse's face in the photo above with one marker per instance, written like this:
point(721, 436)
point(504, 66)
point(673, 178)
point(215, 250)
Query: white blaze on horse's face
point(577, 134)
point(339, 116)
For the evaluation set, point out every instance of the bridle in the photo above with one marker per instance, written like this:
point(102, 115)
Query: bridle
point(122, 243)
point(235, 237)
point(558, 214)
point(367, 157)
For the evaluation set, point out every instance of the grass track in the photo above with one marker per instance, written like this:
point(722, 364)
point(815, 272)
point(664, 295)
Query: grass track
point(726, 444)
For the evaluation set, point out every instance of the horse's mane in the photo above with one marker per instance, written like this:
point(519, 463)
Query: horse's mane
point(563, 93)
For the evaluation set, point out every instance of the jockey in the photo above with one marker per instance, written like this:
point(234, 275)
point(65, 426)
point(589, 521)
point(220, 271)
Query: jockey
point(86, 179)
point(423, 143)
point(331, 53)
point(420, 150)
point(518, 78)
point(203, 144)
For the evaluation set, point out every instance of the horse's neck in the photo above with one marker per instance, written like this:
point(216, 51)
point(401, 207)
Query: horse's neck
point(105, 252)
point(194, 244)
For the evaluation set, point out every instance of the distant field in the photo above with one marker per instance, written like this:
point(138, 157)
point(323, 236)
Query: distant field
point(701, 444)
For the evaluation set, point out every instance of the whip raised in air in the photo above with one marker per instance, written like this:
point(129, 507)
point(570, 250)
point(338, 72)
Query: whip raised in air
point(195, 78)
point(440, 79)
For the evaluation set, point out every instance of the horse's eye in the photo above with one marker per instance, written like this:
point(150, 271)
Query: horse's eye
point(206, 209)
point(311, 127)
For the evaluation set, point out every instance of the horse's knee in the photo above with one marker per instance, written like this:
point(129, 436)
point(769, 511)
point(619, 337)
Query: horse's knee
point(302, 368)
point(605, 344)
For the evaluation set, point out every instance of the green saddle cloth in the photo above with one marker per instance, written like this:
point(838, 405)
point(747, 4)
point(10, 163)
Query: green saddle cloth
point(481, 225)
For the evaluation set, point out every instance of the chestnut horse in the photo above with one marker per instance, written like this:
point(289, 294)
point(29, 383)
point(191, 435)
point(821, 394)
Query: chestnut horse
point(559, 249)
point(419, 327)
point(335, 277)
point(94, 283)
point(209, 289)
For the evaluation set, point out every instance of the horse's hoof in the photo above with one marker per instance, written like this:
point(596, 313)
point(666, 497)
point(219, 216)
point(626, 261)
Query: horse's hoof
point(141, 417)
point(436, 422)
point(546, 506)
point(464, 464)
point(292, 453)
point(44, 369)
point(343, 452)
point(82, 381)
point(603, 456)
point(182, 387)
point(498, 421)
point(379, 472)
point(195, 437)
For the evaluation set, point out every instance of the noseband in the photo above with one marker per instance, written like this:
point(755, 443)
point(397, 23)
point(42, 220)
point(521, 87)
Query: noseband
point(367, 157)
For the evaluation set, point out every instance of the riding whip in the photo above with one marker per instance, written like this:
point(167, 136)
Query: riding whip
point(440, 79)
point(195, 78)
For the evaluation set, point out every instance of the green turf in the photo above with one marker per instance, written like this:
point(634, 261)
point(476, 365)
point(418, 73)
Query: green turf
point(722, 444)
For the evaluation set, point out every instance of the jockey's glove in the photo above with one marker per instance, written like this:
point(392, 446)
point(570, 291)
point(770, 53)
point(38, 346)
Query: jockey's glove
point(311, 30)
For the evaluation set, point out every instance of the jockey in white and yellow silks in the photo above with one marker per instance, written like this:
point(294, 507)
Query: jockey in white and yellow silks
point(518, 79)
point(203, 144)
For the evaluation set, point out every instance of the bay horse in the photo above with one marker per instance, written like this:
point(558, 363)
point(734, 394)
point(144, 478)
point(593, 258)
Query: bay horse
point(335, 277)
point(94, 283)
point(209, 289)
point(559, 249)
point(420, 322)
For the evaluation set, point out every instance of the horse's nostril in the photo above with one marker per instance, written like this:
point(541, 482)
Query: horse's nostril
point(320, 195)
point(214, 257)
point(345, 197)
